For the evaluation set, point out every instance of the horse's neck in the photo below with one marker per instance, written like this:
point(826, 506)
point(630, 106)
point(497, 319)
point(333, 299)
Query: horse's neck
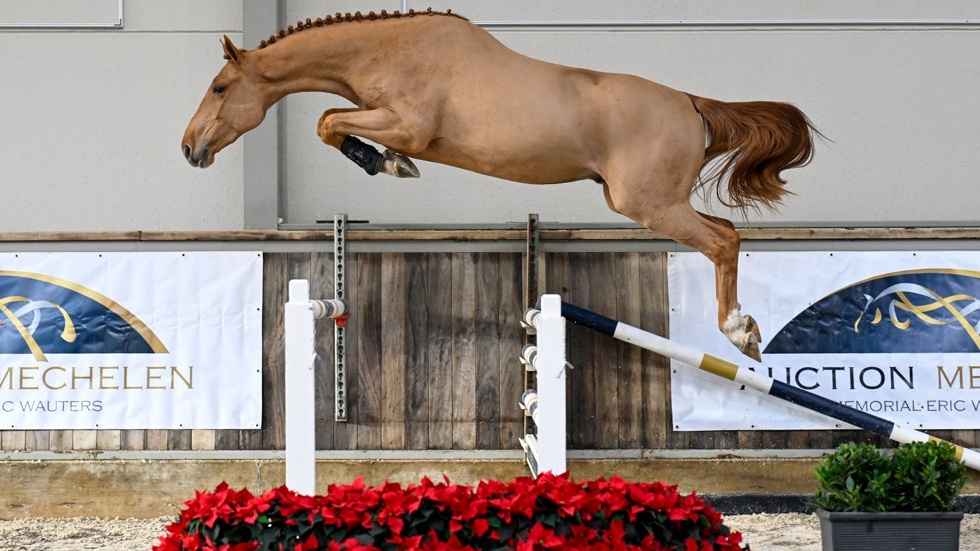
point(311, 61)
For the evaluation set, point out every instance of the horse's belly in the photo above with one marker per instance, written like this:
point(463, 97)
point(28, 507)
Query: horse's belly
point(531, 163)
point(535, 142)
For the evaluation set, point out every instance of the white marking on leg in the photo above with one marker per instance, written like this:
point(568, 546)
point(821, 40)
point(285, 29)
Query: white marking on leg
point(734, 323)
point(734, 329)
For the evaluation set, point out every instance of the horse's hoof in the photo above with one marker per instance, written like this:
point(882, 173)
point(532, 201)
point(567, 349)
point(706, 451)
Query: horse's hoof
point(399, 165)
point(752, 327)
point(744, 333)
point(751, 348)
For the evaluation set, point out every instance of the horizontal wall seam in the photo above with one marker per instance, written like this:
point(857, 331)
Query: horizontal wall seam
point(872, 24)
point(468, 235)
point(109, 29)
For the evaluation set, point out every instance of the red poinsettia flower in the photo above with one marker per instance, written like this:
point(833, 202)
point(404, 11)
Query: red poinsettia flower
point(552, 512)
point(250, 511)
point(211, 506)
point(480, 526)
point(540, 537)
point(311, 544)
point(409, 543)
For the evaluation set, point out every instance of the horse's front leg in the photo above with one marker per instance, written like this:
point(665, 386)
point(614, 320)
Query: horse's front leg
point(337, 127)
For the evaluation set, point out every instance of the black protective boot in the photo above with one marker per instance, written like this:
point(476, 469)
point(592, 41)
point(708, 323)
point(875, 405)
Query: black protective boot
point(363, 154)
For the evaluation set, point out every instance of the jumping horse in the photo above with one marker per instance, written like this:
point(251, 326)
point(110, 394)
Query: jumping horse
point(436, 87)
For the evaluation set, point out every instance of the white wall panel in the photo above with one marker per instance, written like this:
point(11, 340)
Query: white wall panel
point(91, 133)
point(184, 15)
point(299, 10)
point(63, 12)
point(92, 120)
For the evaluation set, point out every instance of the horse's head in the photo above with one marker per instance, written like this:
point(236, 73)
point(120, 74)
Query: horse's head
point(233, 105)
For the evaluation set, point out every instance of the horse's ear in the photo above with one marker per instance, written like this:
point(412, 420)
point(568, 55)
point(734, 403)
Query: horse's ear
point(232, 53)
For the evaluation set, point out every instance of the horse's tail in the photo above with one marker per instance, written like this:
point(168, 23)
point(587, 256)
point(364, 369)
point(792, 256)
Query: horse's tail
point(761, 139)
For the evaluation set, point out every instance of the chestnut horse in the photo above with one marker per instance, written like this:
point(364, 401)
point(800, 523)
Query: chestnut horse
point(436, 87)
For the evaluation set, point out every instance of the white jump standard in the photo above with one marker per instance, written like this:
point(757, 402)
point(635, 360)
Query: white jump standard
point(545, 451)
point(751, 379)
point(301, 313)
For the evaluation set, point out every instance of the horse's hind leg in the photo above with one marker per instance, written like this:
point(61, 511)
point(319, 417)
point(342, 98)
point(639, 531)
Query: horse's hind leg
point(715, 238)
point(743, 331)
point(337, 127)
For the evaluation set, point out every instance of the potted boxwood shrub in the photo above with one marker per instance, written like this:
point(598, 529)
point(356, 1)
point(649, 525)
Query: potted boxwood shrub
point(868, 500)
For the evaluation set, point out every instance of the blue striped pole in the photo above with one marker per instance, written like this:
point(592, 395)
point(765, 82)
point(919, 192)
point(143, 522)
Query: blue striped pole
point(756, 381)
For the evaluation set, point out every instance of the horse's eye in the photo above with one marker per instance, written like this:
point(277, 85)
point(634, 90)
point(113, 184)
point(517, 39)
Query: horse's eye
point(218, 89)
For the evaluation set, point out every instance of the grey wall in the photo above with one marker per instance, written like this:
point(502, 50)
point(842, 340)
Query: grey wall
point(91, 120)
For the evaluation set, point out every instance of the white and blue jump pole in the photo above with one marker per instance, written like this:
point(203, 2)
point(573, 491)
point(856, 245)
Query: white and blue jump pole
point(751, 379)
point(300, 316)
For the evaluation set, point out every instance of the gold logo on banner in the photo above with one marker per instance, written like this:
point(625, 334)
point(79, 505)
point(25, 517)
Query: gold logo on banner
point(15, 308)
point(923, 312)
point(27, 331)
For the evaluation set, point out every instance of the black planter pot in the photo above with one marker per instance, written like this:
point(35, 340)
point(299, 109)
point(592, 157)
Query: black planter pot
point(890, 531)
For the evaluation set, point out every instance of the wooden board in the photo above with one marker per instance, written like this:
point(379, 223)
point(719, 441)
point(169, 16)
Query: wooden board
point(393, 360)
point(487, 340)
point(605, 364)
point(369, 389)
point(464, 351)
point(657, 430)
point(629, 379)
point(275, 279)
point(151, 489)
point(553, 234)
point(345, 434)
point(510, 338)
point(416, 319)
point(439, 350)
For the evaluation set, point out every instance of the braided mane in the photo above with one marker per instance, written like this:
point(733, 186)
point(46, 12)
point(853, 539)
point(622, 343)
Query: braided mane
point(347, 17)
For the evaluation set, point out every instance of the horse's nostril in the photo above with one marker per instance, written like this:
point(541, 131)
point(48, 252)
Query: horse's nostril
point(187, 152)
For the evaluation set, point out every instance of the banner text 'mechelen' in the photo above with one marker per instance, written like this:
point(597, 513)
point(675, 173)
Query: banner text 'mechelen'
point(106, 377)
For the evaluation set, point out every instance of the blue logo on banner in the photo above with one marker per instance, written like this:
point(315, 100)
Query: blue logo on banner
point(903, 312)
point(42, 314)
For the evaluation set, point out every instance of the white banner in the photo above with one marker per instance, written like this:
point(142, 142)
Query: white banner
point(894, 334)
point(165, 340)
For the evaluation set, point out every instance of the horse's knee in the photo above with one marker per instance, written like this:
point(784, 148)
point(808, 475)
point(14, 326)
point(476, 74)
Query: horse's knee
point(328, 129)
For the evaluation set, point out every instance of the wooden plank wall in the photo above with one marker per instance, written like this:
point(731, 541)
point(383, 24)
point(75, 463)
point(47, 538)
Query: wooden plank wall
point(432, 352)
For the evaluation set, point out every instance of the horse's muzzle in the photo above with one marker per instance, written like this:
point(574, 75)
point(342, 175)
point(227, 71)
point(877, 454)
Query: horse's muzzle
point(201, 161)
